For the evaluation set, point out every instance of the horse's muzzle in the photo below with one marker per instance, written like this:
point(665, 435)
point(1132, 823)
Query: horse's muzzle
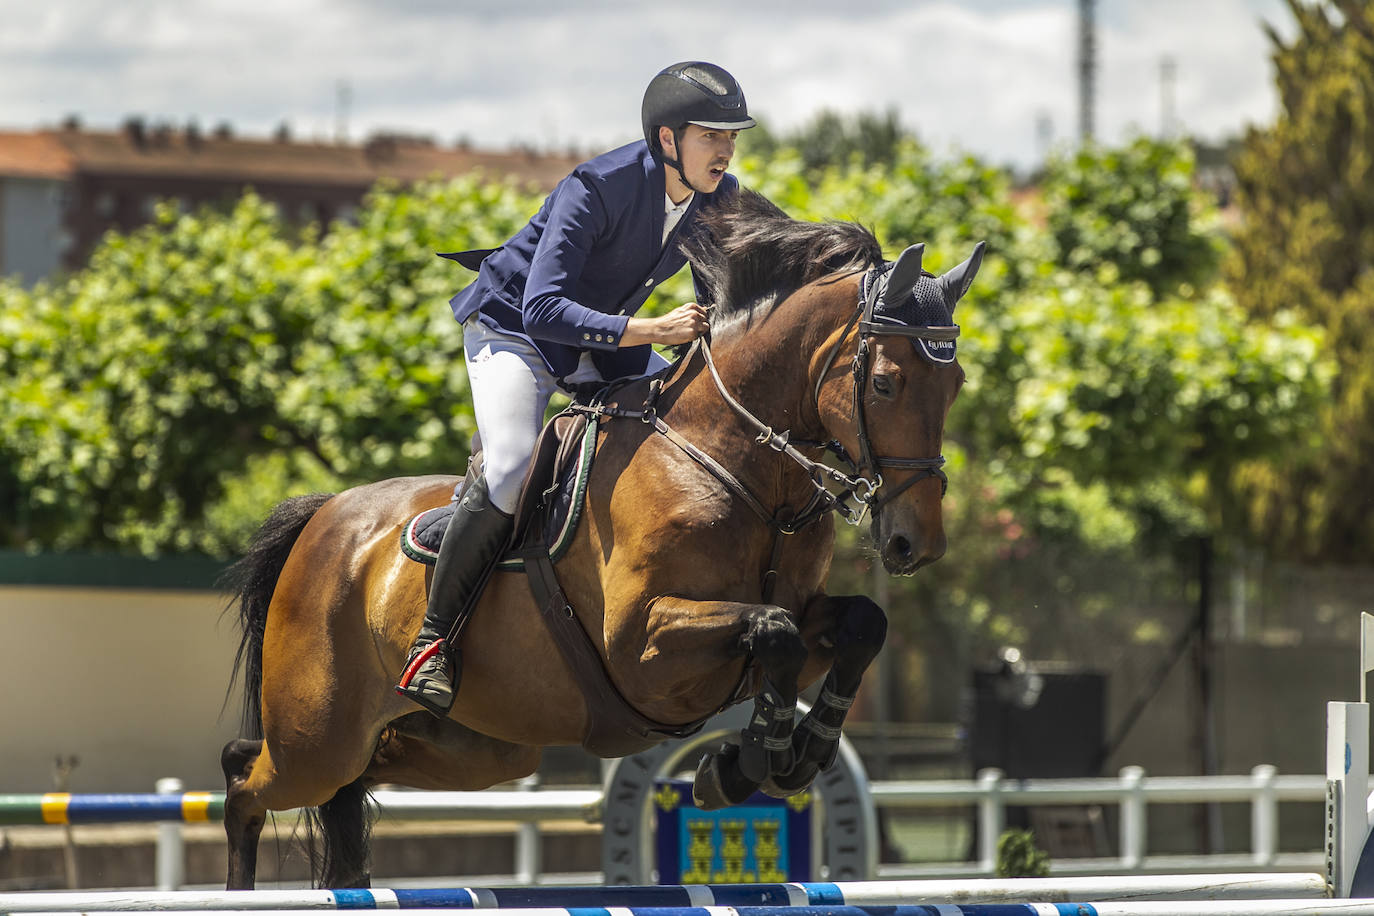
point(904, 551)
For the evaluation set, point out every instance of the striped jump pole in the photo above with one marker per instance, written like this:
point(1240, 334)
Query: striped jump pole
point(778, 897)
point(1346, 907)
point(66, 808)
point(487, 805)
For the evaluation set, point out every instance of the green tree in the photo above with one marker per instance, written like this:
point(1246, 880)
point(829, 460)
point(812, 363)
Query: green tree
point(201, 368)
point(832, 140)
point(381, 384)
point(1111, 387)
point(140, 380)
point(1306, 242)
point(1132, 212)
point(221, 363)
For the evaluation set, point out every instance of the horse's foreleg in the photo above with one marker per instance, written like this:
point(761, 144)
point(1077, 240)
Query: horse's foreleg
point(860, 628)
point(766, 742)
point(731, 775)
point(243, 814)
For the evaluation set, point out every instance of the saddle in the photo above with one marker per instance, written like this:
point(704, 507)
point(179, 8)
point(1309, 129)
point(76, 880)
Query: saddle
point(546, 517)
point(551, 496)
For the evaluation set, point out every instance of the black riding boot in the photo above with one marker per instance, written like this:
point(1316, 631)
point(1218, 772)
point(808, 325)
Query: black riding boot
point(472, 545)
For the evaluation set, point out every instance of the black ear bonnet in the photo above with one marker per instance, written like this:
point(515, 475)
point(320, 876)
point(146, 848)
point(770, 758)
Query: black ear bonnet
point(914, 298)
point(924, 308)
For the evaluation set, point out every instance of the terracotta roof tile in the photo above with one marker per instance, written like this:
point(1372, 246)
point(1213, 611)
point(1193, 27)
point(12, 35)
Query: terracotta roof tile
point(66, 153)
point(33, 155)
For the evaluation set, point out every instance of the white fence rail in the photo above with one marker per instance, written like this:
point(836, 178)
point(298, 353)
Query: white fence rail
point(1131, 791)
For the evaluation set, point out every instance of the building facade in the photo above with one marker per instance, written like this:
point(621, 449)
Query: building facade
point(62, 190)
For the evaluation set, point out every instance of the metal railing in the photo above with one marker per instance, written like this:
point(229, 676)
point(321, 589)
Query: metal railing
point(1132, 791)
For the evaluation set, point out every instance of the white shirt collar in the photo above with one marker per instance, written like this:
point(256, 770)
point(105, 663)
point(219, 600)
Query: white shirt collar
point(672, 214)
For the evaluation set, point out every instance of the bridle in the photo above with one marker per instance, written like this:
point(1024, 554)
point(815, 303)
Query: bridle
point(871, 291)
point(865, 479)
point(856, 485)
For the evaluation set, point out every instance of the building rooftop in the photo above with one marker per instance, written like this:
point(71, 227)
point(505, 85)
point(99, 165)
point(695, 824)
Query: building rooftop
point(161, 150)
point(33, 155)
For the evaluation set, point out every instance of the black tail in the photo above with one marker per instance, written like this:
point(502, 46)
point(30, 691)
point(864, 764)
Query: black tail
point(344, 825)
point(251, 582)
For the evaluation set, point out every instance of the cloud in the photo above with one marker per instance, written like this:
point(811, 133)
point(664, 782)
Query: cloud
point(974, 76)
point(1223, 76)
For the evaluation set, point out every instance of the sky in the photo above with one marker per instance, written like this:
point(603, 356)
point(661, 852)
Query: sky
point(996, 78)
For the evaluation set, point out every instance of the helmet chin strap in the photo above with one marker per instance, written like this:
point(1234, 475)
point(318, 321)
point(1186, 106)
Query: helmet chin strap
point(677, 163)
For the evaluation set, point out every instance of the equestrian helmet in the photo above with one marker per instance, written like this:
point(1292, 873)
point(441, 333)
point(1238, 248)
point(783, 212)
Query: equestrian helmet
point(692, 92)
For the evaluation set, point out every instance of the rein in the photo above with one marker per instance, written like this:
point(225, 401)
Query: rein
point(858, 486)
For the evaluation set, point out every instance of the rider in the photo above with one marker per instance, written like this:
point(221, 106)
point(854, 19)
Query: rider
point(555, 306)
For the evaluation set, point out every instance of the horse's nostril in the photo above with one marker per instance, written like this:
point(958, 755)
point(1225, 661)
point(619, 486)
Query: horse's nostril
point(899, 547)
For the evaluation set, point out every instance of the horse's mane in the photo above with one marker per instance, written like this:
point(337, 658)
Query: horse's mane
point(748, 255)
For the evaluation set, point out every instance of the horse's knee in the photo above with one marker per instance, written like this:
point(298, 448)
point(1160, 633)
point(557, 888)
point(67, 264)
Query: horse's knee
point(772, 637)
point(418, 749)
point(862, 627)
point(856, 636)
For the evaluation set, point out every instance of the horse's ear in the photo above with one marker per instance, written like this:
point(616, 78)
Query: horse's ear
point(904, 275)
point(958, 280)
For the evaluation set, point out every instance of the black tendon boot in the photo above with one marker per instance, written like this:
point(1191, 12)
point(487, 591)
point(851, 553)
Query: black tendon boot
point(476, 535)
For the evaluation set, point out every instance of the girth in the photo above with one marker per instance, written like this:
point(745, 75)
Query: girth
point(614, 727)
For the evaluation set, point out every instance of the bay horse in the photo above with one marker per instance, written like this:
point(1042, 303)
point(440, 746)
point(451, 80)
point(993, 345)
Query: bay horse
point(698, 570)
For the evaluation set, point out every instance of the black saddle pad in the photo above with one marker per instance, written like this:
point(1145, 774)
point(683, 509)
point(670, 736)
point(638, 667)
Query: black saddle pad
point(562, 510)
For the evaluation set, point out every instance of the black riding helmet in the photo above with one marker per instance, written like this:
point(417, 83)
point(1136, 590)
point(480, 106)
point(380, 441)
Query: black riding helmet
point(692, 92)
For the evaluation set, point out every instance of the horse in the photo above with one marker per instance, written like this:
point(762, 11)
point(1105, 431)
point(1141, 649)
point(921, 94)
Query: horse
point(697, 571)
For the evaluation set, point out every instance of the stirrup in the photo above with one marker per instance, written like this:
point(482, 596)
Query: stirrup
point(435, 692)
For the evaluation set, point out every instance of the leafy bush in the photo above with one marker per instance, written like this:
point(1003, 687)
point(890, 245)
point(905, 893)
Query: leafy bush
point(206, 366)
point(1018, 856)
point(1131, 215)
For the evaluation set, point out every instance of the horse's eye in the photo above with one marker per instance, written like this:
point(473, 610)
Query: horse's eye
point(882, 384)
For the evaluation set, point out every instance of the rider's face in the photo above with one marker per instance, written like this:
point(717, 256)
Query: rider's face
point(705, 154)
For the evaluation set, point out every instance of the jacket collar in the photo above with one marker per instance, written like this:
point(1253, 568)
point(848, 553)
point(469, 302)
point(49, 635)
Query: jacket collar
point(657, 176)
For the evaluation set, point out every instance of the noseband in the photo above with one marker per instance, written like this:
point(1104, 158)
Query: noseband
point(871, 292)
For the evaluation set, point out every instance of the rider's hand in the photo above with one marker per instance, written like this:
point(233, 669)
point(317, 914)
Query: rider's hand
point(683, 324)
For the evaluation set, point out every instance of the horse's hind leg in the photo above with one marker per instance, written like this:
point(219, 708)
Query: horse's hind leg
point(732, 774)
point(860, 628)
point(262, 776)
point(243, 815)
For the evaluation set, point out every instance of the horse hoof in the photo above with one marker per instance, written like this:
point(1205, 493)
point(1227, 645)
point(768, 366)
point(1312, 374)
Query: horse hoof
point(718, 783)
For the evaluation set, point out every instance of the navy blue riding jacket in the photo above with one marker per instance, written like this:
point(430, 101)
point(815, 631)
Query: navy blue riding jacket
point(586, 262)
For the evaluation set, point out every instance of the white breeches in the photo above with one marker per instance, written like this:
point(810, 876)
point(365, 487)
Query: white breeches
point(511, 387)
